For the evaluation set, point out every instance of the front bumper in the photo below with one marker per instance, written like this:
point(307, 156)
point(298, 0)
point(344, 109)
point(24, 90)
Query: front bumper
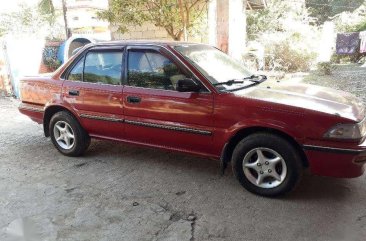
point(336, 161)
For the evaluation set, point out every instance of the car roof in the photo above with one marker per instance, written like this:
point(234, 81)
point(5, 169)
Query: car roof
point(144, 42)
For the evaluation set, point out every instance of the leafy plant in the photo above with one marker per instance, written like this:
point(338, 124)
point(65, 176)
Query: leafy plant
point(325, 68)
point(172, 15)
point(288, 34)
point(351, 21)
point(27, 20)
point(290, 56)
point(326, 10)
point(49, 56)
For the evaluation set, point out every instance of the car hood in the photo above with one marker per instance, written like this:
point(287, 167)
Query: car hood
point(307, 96)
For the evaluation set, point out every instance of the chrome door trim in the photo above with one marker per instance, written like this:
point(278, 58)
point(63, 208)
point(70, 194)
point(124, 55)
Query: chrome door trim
point(169, 127)
point(103, 118)
point(332, 149)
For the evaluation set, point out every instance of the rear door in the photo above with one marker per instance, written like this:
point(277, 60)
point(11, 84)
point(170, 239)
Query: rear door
point(157, 114)
point(93, 88)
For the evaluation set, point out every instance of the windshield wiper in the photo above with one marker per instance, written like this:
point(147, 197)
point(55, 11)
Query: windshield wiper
point(255, 78)
point(252, 78)
point(230, 82)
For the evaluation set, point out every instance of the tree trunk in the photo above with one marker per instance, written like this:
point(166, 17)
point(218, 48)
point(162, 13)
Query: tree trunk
point(184, 23)
point(64, 12)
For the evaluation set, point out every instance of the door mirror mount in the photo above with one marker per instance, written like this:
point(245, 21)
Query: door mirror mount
point(188, 85)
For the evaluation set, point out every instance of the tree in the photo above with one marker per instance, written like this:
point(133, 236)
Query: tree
point(47, 9)
point(281, 16)
point(26, 20)
point(325, 10)
point(175, 16)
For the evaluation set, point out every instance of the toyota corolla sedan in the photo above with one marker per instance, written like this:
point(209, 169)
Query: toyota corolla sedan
point(195, 99)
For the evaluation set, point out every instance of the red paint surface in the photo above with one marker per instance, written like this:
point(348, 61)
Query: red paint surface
point(302, 112)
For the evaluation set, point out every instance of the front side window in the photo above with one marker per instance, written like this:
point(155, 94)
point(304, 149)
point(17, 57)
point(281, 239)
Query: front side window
point(98, 67)
point(150, 69)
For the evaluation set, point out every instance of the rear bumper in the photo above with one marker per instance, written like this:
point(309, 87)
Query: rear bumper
point(336, 162)
point(35, 112)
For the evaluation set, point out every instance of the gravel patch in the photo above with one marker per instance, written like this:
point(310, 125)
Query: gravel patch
point(350, 78)
point(123, 192)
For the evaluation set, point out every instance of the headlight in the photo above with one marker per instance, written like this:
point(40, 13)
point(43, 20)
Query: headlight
point(347, 131)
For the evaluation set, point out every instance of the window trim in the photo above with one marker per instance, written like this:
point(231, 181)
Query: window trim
point(167, 54)
point(66, 73)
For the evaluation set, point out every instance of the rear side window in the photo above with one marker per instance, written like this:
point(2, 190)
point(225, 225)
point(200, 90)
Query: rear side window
point(103, 67)
point(99, 67)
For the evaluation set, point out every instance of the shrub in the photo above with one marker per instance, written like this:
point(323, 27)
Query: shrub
point(287, 32)
point(325, 68)
point(292, 58)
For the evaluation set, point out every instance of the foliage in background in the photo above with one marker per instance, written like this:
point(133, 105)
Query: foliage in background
point(326, 10)
point(47, 11)
point(287, 32)
point(166, 14)
point(49, 57)
point(325, 68)
point(27, 20)
point(352, 21)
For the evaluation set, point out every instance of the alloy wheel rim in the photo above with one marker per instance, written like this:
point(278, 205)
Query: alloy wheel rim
point(264, 167)
point(64, 135)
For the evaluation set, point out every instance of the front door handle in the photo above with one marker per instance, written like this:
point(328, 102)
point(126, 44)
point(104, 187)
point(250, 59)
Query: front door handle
point(74, 92)
point(133, 99)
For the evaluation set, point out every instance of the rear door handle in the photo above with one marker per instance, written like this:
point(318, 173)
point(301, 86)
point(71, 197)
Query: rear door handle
point(133, 99)
point(74, 92)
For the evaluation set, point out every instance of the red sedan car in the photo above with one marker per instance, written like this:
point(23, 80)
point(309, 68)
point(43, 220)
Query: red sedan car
point(195, 99)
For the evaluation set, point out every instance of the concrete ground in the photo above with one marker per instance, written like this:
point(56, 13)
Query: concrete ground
point(123, 192)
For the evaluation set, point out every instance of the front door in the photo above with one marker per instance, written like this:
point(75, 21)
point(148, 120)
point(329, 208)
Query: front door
point(157, 114)
point(93, 89)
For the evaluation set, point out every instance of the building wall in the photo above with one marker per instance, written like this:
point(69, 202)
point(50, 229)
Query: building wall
point(237, 28)
point(222, 25)
point(227, 26)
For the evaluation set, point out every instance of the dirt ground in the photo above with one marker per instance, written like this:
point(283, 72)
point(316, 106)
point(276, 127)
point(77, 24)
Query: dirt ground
point(123, 192)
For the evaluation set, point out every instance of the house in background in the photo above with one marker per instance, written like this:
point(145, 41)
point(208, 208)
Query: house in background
point(82, 18)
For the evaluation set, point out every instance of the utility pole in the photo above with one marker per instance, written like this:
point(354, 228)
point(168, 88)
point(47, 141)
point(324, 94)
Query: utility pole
point(64, 12)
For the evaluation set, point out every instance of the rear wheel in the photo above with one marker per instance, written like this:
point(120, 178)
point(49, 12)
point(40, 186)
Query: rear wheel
point(267, 164)
point(67, 135)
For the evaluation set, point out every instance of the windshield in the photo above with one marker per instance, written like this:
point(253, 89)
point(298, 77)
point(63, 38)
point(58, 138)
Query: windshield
point(215, 65)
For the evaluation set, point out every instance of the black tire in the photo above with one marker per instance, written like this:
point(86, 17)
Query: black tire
point(288, 155)
point(81, 138)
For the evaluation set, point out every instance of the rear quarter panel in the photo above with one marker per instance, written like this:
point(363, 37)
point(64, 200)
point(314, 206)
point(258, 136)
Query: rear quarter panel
point(36, 93)
point(40, 90)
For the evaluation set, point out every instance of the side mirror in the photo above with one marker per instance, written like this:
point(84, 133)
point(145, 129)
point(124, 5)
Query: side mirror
point(188, 85)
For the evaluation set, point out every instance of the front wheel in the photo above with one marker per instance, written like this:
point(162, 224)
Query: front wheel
point(267, 164)
point(67, 135)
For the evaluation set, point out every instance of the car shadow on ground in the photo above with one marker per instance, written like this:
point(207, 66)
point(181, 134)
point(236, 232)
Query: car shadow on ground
point(310, 187)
